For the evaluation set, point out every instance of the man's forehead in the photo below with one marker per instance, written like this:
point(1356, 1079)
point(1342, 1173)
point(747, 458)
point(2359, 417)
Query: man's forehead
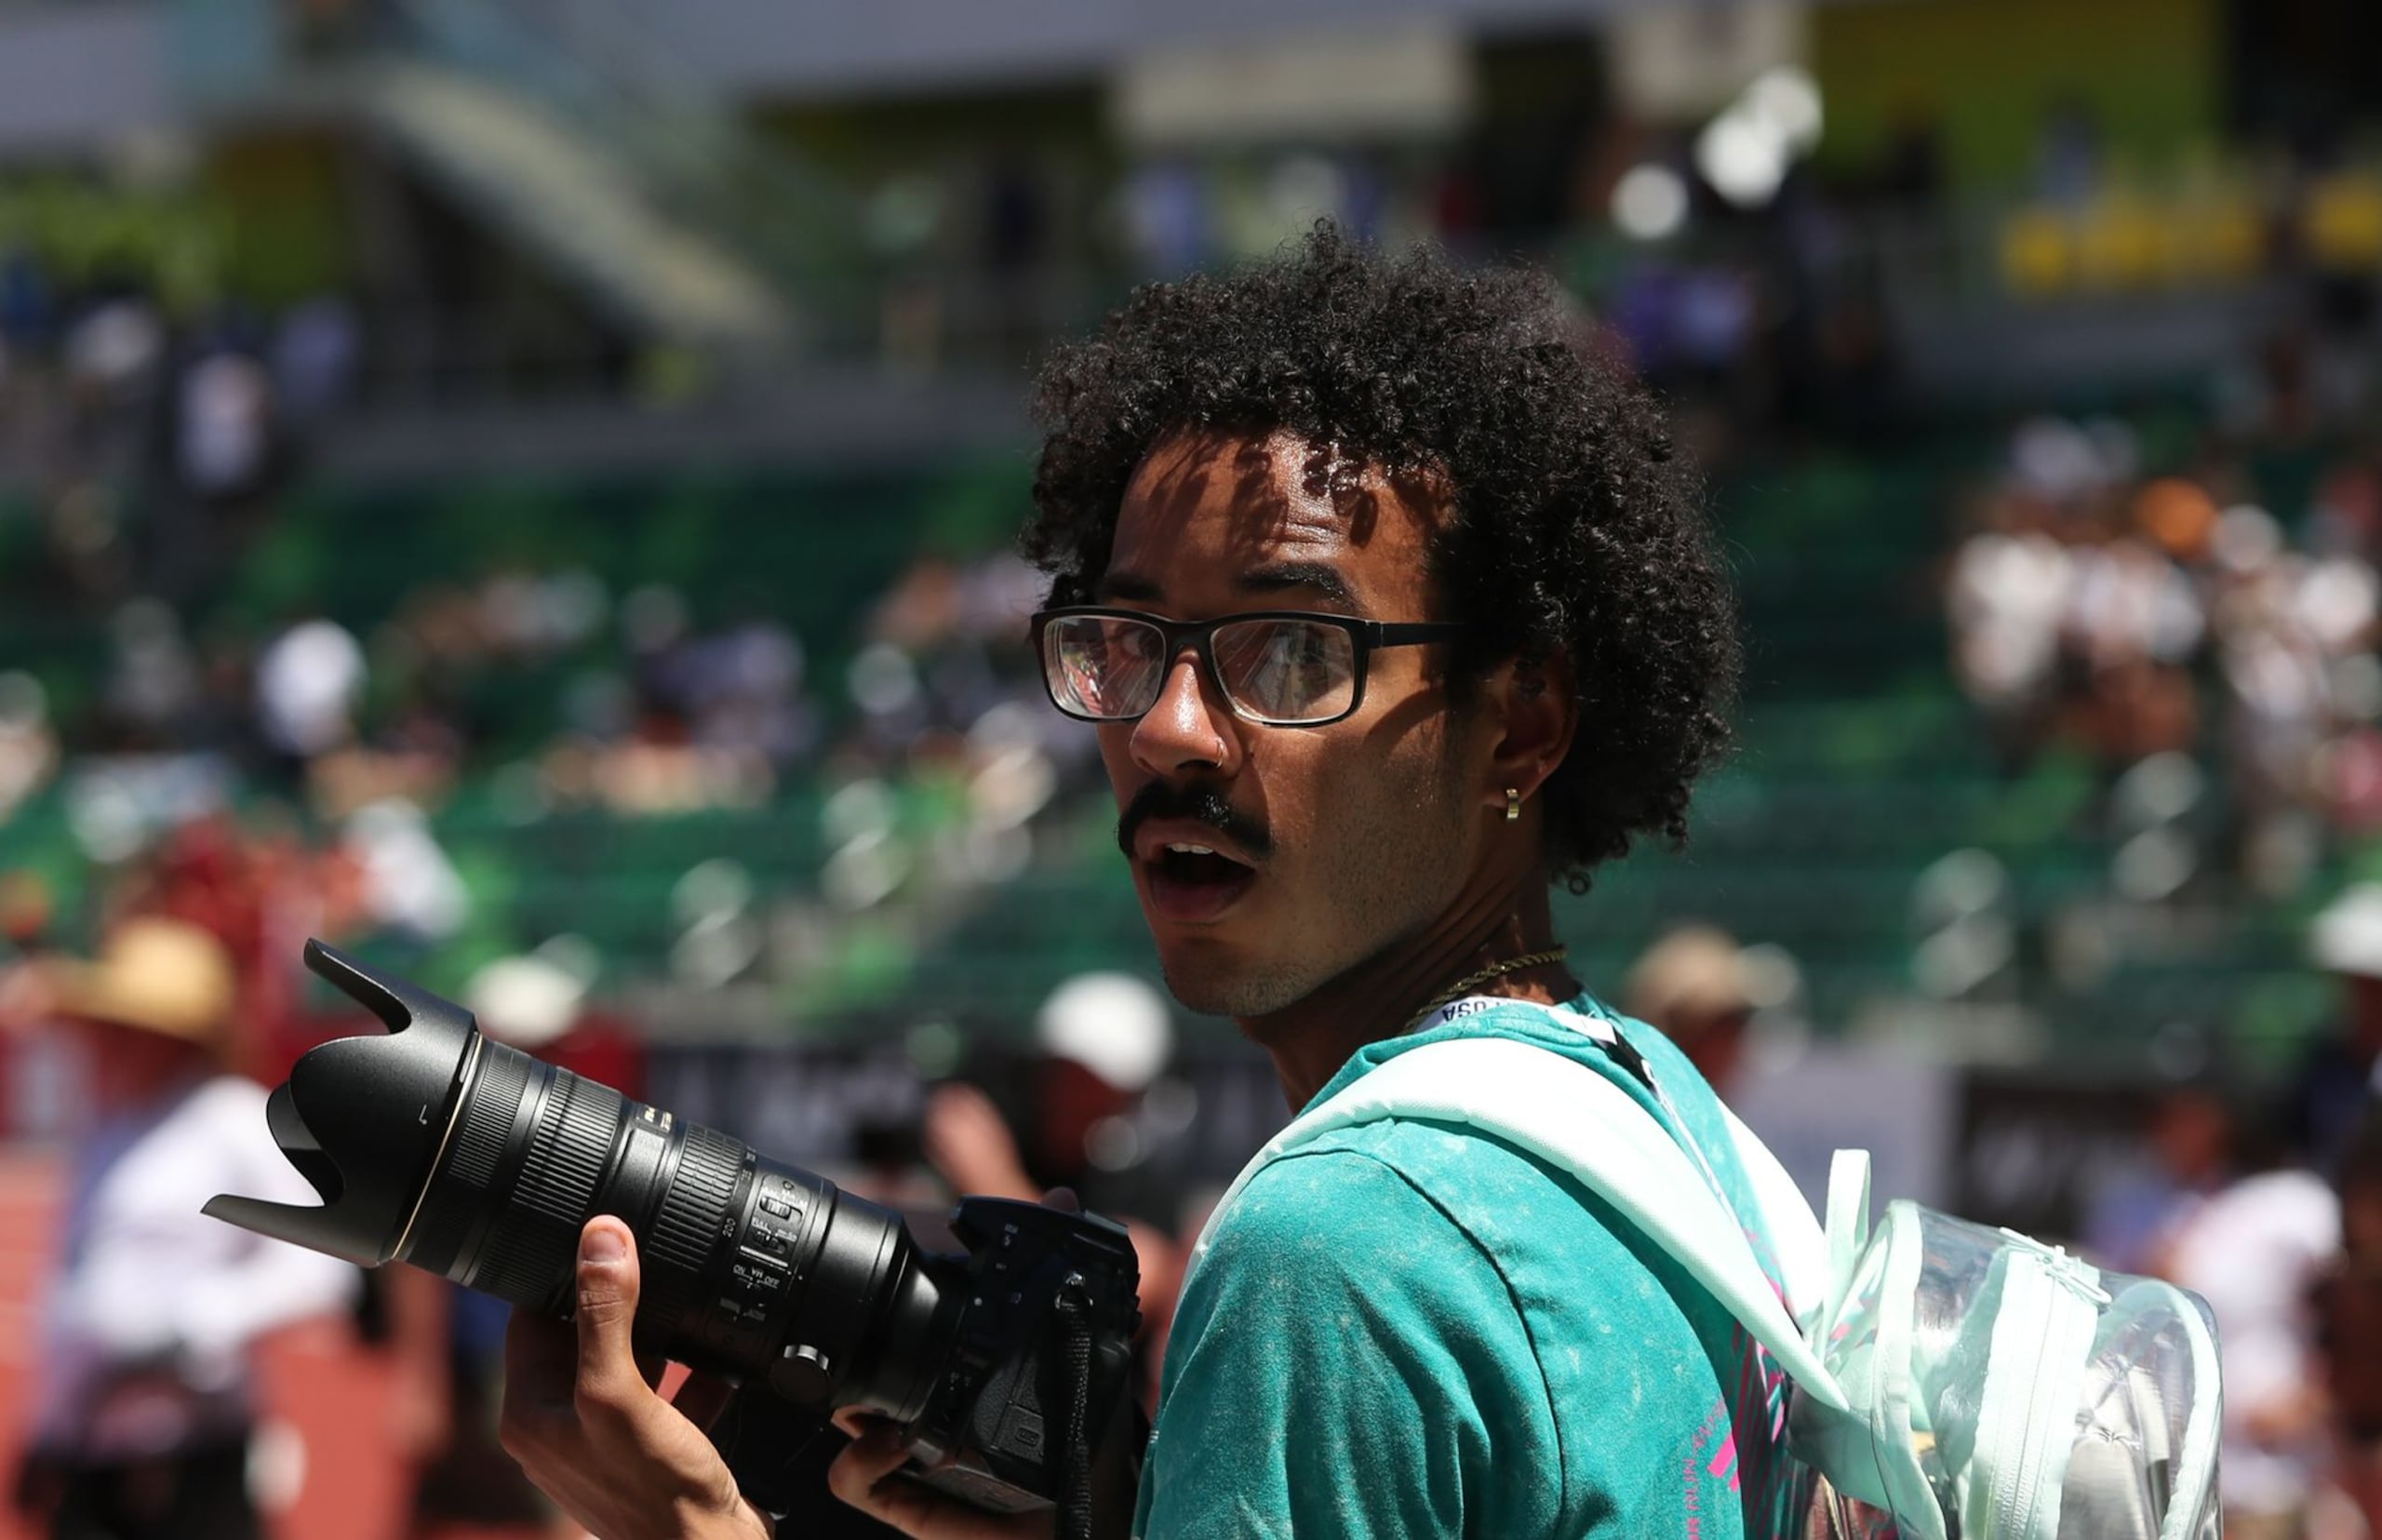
point(1250, 499)
point(1259, 483)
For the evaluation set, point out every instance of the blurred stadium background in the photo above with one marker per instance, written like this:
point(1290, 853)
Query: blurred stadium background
point(524, 488)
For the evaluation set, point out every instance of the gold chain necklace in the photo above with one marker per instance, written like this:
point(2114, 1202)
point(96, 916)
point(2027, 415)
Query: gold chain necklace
point(1495, 970)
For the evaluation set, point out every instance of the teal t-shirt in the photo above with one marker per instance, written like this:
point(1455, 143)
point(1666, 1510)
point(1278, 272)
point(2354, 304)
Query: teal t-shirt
point(1408, 1329)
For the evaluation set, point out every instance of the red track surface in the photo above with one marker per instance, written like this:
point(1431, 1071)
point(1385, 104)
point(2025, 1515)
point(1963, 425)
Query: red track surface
point(331, 1391)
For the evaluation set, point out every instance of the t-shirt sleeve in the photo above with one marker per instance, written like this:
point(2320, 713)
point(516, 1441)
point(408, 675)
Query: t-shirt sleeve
point(1347, 1362)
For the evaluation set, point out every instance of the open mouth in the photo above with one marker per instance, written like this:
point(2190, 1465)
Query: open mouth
point(1191, 882)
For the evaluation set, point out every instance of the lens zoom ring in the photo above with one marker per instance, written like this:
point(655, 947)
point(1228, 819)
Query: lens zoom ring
point(528, 1259)
point(528, 1263)
point(696, 1204)
point(567, 1154)
point(487, 1119)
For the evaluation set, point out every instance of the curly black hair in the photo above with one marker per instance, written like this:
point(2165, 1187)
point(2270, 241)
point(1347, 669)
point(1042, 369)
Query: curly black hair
point(1576, 531)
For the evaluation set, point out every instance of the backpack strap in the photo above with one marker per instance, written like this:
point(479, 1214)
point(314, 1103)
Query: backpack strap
point(1579, 1122)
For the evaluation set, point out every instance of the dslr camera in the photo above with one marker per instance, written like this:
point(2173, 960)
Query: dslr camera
point(433, 1145)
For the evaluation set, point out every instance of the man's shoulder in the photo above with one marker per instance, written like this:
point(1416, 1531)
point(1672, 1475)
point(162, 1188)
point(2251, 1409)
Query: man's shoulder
point(1399, 1195)
point(1347, 1181)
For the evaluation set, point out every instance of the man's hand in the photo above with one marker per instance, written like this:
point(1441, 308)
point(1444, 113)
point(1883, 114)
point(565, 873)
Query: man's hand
point(583, 1419)
point(868, 1476)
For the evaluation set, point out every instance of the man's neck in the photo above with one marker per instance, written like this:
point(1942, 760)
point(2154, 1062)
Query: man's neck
point(1380, 997)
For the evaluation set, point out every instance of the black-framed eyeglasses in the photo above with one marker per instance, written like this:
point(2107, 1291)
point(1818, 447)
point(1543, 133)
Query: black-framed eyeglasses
point(1277, 667)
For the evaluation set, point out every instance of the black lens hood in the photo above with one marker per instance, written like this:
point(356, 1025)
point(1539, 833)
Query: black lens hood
point(364, 1119)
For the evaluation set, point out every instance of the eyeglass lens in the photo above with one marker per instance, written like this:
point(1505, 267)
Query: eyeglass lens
point(1110, 667)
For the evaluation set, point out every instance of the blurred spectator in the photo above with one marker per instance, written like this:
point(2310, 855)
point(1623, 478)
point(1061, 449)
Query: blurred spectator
point(2287, 624)
point(309, 680)
point(2133, 622)
point(408, 885)
point(28, 747)
point(110, 352)
point(2006, 597)
point(145, 1412)
point(316, 352)
point(153, 691)
point(2336, 1082)
point(1093, 1126)
point(2256, 1252)
point(1691, 984)
point(741, 690)
point(2134, 1218)
point(2350, 1307)
point(224, 426)
point(1104, 1038)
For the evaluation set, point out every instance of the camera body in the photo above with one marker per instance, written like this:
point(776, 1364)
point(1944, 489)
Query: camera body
point(1045, 1336)
point(437, 1147)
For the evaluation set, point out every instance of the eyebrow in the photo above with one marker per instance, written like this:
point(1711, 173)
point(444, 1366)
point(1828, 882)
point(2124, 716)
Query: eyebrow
point(1273, 578)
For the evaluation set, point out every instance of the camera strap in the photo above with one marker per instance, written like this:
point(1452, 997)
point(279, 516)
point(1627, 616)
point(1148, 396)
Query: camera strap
point(1074, 1491)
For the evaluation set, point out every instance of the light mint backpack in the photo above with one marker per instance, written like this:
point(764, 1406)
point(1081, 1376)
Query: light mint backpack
point(1951, 1382)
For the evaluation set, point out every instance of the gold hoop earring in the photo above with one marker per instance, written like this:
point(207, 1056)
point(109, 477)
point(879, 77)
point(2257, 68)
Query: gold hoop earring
point(1513, 806)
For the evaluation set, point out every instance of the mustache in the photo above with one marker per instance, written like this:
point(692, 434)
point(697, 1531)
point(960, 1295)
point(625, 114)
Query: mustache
point(1196, 804)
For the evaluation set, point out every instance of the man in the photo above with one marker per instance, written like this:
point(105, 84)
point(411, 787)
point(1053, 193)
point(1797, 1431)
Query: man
point(142, 1425)
point(1390, 606)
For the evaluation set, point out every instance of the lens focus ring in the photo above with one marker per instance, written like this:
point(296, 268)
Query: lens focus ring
point(488, 1117)
point(454, 1204)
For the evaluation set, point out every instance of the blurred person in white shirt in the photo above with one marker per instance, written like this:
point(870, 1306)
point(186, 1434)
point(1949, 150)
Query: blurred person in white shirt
point(145, 1405)
point(2257, 1251)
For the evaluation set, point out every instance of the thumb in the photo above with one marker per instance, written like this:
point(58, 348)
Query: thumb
point(609, 1376)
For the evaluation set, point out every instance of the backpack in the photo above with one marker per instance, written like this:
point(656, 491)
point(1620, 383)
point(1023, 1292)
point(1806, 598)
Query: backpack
point(1951, 1381)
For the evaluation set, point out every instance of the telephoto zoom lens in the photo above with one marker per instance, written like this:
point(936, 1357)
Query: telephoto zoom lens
point(738, 1255)
point(437, 1147)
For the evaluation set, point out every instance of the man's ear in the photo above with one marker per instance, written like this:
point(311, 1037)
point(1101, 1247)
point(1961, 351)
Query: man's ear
point(1538, 714)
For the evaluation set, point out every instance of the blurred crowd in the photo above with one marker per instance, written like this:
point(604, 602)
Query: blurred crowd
point(556, 697)
point(155, 435)
point(2261, 1199)
point(2128, 615)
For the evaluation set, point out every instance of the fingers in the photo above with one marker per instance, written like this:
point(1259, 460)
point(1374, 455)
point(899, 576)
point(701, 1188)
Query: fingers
point(873, 1475)
point(865, 1476)
point(612, 1385)
point(581, 1417)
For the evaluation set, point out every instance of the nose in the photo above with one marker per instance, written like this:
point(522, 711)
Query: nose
point(1189, 727)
